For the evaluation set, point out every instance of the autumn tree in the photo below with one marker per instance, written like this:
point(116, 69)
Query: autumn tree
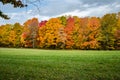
point(83, 33)
point(30, 32)
point(41, 34)
point(117, 39)
point(69, 32)
point(94, 30)
point(117, 33)
point(10, 35)
point(108, 28)
point(49, 34)
point(4, 35)
point(76, 32)
point(64, 20)
point(12, 38)
point(17, 28)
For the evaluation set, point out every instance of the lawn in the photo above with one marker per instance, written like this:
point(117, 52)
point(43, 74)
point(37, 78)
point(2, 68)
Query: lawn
point(36, 64)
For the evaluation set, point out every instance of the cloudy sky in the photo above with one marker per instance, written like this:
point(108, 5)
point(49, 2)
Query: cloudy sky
point(46, 9)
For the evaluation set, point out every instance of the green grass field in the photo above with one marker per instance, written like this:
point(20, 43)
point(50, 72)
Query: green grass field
point(35, 64)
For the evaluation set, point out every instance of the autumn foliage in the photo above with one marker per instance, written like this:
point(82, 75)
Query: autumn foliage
point(65, 32)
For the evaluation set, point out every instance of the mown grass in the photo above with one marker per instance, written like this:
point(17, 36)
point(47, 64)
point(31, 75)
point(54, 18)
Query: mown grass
point(35, 64)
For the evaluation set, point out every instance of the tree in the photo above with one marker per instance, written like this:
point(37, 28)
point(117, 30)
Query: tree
point(61, 32)
point(94, 30)
point(41, 34)
point(15, 3)
point(49, 36)
point(117, 39)
point(30, 32)
point(76, 32)
point(83, 33)
point(64, 20)
point(108, 28)
point(69, 32)
point(12, 38)
point(4, 35)
point(10, 35)
point(117, 33)
point(17, 28)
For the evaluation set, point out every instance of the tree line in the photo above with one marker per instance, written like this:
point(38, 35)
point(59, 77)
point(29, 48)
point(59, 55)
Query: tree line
point(65, 32)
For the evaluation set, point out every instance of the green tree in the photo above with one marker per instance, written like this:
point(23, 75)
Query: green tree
point(64, 20)
point(108, 28)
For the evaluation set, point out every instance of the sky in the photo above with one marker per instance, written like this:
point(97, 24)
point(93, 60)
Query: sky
point(46, 9)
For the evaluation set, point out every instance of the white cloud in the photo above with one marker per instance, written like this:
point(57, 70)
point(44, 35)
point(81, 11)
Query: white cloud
point(94, 11)
point(56, 8)
point(22, 17)
point(73, 1)
point(117, 5)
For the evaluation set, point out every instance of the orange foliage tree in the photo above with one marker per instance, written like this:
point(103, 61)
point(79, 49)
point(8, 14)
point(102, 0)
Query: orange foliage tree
point(69, 32)
point(30, 31)
point(49, 33)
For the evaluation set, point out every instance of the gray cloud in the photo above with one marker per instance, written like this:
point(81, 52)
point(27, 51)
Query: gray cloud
point(99, 2)
point(55, 7)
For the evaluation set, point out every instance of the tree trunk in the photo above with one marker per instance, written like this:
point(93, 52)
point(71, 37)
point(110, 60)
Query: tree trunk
point(33, 42)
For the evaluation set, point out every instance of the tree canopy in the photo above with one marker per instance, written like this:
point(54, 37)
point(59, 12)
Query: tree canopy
point(65, 32)
point(15, 3)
